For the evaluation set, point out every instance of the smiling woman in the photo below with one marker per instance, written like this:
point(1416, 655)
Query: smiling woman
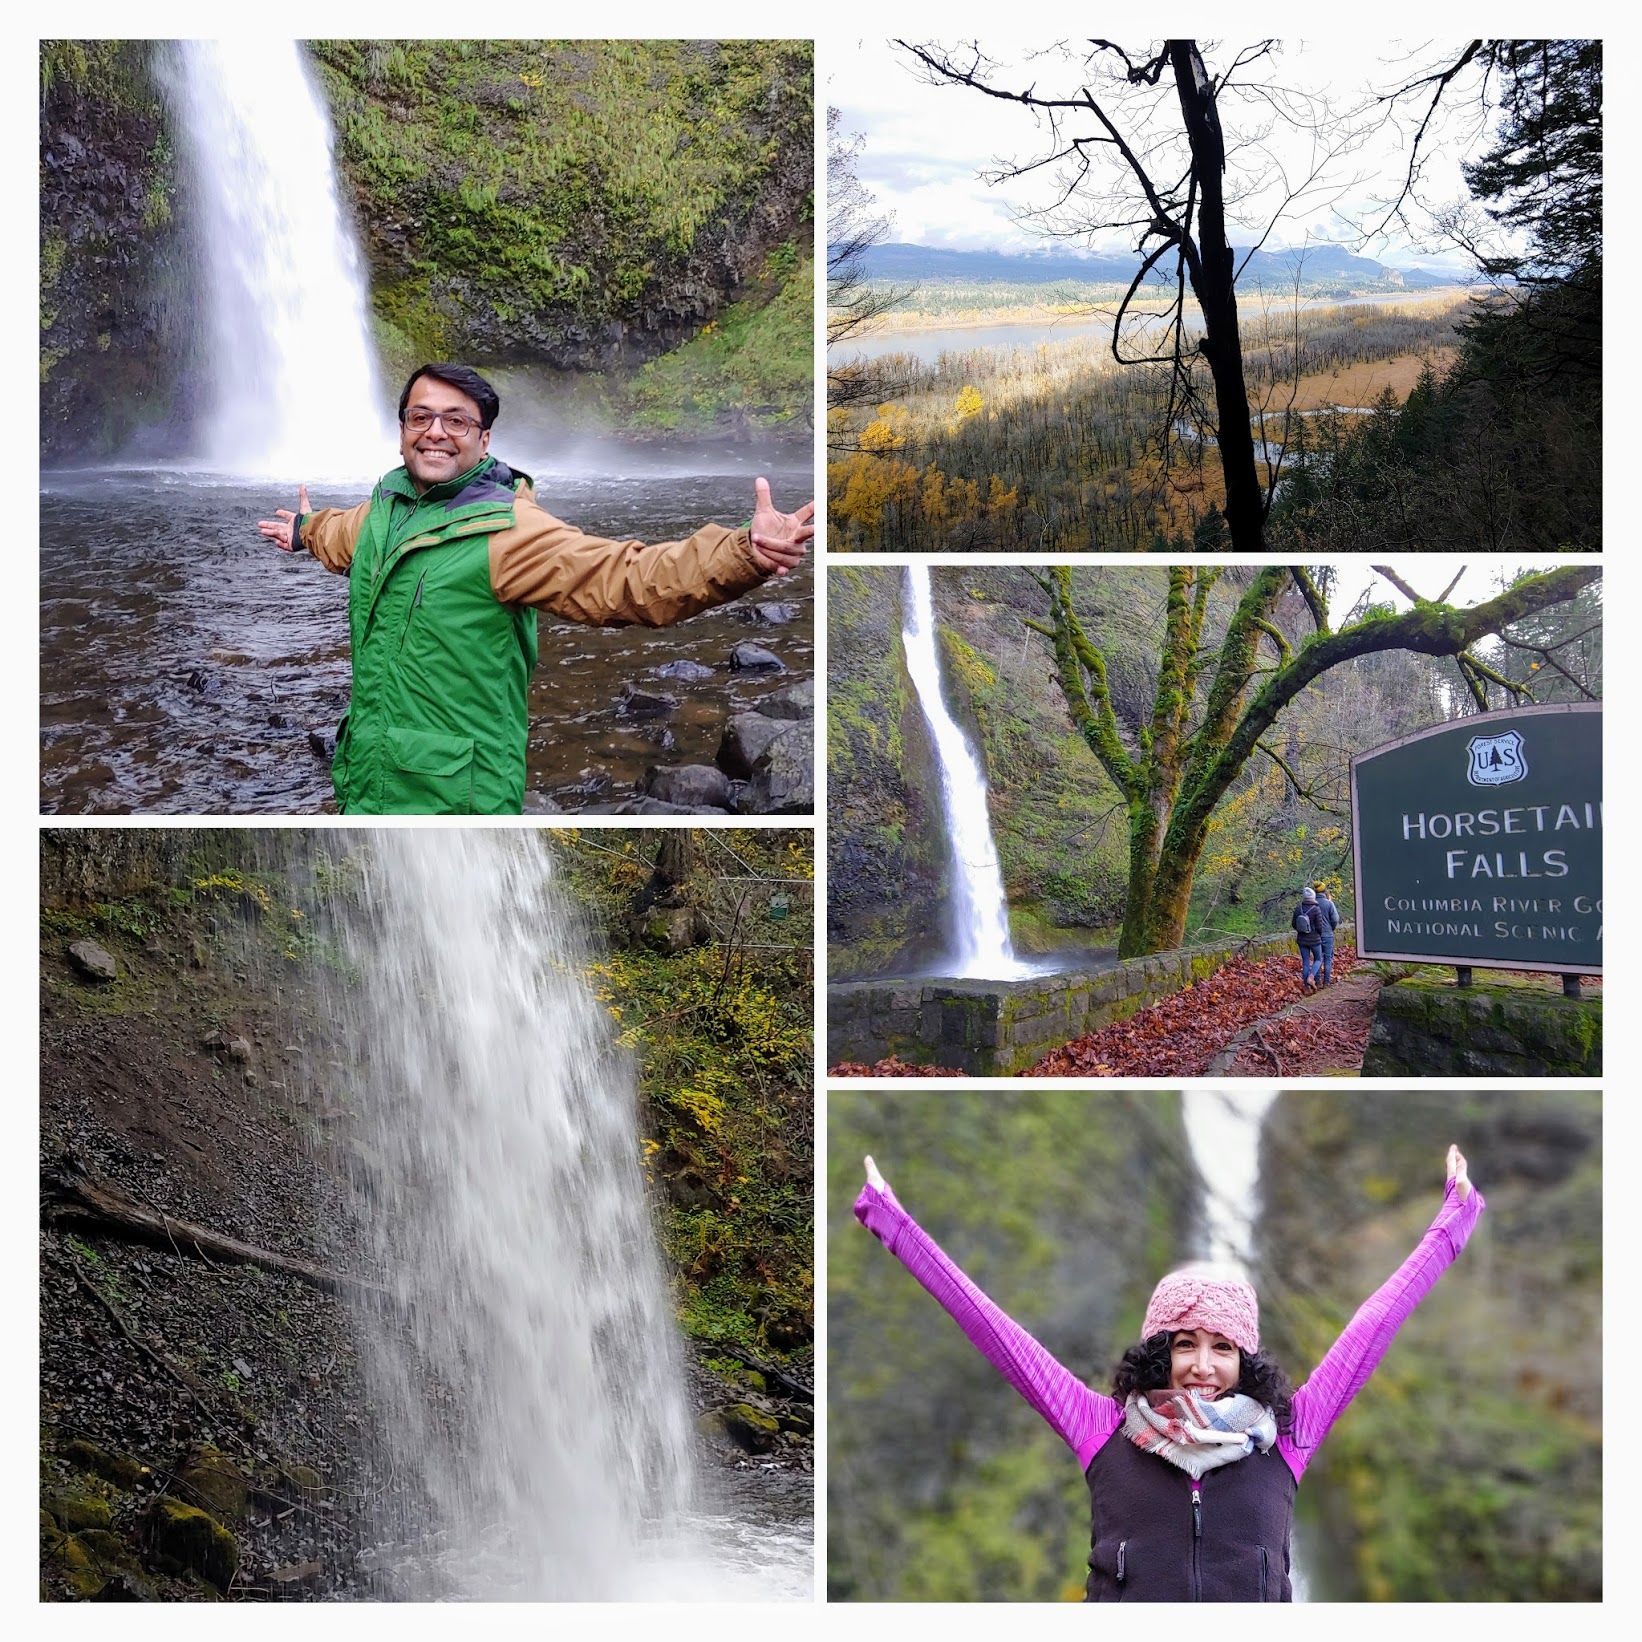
point(1196, 1502)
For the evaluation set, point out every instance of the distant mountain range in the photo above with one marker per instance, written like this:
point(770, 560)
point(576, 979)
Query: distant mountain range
point(1317, 266)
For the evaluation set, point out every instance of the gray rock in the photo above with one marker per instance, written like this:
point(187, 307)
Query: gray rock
point(95, 962)
point(783, 780)
point(225, 1044)
point(694, 786)
point(323, 743)
point(637, 703)
point(747, 738)
point(769, 614)
point(796, 701)
point(690, 671)
point(754, 658)
point(538, 803)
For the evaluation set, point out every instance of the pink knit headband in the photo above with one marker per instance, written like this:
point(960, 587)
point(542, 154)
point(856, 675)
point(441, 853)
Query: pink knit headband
point(1203, 1297)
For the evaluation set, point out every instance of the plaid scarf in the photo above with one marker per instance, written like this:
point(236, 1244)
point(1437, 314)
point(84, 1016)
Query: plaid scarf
point(1194, 1433)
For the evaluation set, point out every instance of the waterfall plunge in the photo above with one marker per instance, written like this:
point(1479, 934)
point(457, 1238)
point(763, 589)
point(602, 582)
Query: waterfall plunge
point(980, 913)
point(289, 357)
point(525, 1373)
point(1223, 1130)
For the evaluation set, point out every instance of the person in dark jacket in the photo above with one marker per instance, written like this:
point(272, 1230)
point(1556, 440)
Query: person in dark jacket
point(1308, 934)
point(1329, 916)
point(1194, 1460)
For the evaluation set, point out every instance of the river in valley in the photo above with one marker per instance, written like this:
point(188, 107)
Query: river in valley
point(184, 662)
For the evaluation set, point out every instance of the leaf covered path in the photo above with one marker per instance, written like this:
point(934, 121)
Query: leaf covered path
point(1182, 1035)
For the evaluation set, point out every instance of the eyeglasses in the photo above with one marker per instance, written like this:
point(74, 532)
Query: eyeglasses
point(457, 424)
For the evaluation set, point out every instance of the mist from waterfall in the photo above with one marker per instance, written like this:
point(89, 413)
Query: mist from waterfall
point(983, 949)
point(533, 1437)
point(288, 356)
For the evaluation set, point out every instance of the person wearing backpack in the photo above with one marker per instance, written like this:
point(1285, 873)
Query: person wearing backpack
point(1329, 916)
point(1308, 922)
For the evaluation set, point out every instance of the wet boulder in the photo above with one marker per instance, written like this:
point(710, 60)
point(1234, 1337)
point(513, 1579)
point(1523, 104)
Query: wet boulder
point(633, 702)
point(754, 658)
point(186, 1540)
point(741, 1426)
point(538, 803)
point(323, 744)
point(769, 614)
point(783, 780)
point(119, 1469)
point(795, 703)
point(93, 961)
point(746, 739)
point(687, 672)
point(692, 786)
point(210, 1479)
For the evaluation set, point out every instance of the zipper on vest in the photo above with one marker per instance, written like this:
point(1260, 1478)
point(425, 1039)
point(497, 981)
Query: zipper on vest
point(1122, 1558)
point(415, 605)
point(1197, 1535)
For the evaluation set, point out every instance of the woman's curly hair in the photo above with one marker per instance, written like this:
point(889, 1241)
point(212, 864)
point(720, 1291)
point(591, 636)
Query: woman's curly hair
point(1148, 1367)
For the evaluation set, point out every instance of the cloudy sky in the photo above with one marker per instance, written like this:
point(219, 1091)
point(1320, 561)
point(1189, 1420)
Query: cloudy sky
point(927, 145)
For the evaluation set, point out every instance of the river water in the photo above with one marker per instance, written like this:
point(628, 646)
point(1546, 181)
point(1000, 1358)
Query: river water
point(184, 661)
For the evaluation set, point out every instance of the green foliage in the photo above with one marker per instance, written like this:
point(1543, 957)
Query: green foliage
point(721, 1036)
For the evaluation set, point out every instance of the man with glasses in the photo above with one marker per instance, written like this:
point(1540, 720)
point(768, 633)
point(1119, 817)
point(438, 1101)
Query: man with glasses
point(448, 563)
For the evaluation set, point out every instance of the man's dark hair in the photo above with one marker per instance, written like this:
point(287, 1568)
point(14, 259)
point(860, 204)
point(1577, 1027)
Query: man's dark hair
point(1147, 1367)
point(465, 380)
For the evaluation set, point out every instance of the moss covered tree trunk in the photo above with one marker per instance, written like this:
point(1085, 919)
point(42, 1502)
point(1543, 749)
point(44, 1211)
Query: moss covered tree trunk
point(1175, 768)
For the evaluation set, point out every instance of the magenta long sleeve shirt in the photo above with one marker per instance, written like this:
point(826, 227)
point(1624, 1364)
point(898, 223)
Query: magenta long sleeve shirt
point(1083, 1418)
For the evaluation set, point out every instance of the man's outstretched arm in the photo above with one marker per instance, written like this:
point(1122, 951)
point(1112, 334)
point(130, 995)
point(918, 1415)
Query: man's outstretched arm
point(330, 534)
point(549, 565)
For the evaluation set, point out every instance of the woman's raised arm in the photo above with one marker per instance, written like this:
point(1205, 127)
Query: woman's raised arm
point(1083, 1419)
point(1353, 1357)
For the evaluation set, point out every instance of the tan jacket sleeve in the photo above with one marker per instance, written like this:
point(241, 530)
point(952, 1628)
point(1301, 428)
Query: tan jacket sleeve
point(331, 534)
point(548, 565)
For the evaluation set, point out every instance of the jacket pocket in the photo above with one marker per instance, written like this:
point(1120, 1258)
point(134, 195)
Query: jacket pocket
point(432, 774)
point(1108, 1571)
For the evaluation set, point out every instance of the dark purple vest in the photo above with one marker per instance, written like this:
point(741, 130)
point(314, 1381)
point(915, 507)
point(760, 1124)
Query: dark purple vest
point(1149, 1542)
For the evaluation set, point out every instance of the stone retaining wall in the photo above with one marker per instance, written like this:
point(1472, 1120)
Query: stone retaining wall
point(1432, 1028)
point(999, 1028)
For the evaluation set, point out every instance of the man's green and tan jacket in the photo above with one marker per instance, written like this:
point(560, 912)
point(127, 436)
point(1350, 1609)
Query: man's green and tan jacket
point(442, 599)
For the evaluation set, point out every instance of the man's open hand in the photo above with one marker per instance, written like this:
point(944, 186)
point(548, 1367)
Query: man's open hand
point(779, 538)
point(282, 526)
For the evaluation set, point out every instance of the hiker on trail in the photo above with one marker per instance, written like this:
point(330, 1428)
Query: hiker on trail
point(1308, 924)
point(448, 563)
point(1194, 1459)
point(1329, 917)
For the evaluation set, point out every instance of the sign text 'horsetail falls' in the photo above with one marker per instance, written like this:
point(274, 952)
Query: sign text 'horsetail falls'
point(1480, 842)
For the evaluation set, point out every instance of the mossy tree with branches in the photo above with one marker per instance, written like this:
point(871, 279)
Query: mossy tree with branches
point(1214, 704)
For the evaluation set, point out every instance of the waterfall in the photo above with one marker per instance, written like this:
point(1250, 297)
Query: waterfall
point(980, 913)
point(524, 1374)
point(1223, 1129)
point(288, 354)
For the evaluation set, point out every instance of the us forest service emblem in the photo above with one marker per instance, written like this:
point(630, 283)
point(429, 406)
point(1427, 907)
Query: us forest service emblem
point(1496, 759)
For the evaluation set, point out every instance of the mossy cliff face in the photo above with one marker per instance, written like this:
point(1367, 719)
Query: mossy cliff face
point(1469, 1467)
point(112, 332)
point(590, 206)
point(584, 205)
point(886, 841)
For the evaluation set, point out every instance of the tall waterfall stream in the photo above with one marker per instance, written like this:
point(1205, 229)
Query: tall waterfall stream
point(287, 350)
point(1223, 1126)
point(524, 1374)
point(982, 947)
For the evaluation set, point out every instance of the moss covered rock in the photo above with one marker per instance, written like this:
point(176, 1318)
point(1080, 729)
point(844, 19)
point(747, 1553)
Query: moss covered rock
point(1427, 1026)
point(120, 1469)
point(184, 1539)
point(209, 1478)
point(750, 1429)
point(74, 1511)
